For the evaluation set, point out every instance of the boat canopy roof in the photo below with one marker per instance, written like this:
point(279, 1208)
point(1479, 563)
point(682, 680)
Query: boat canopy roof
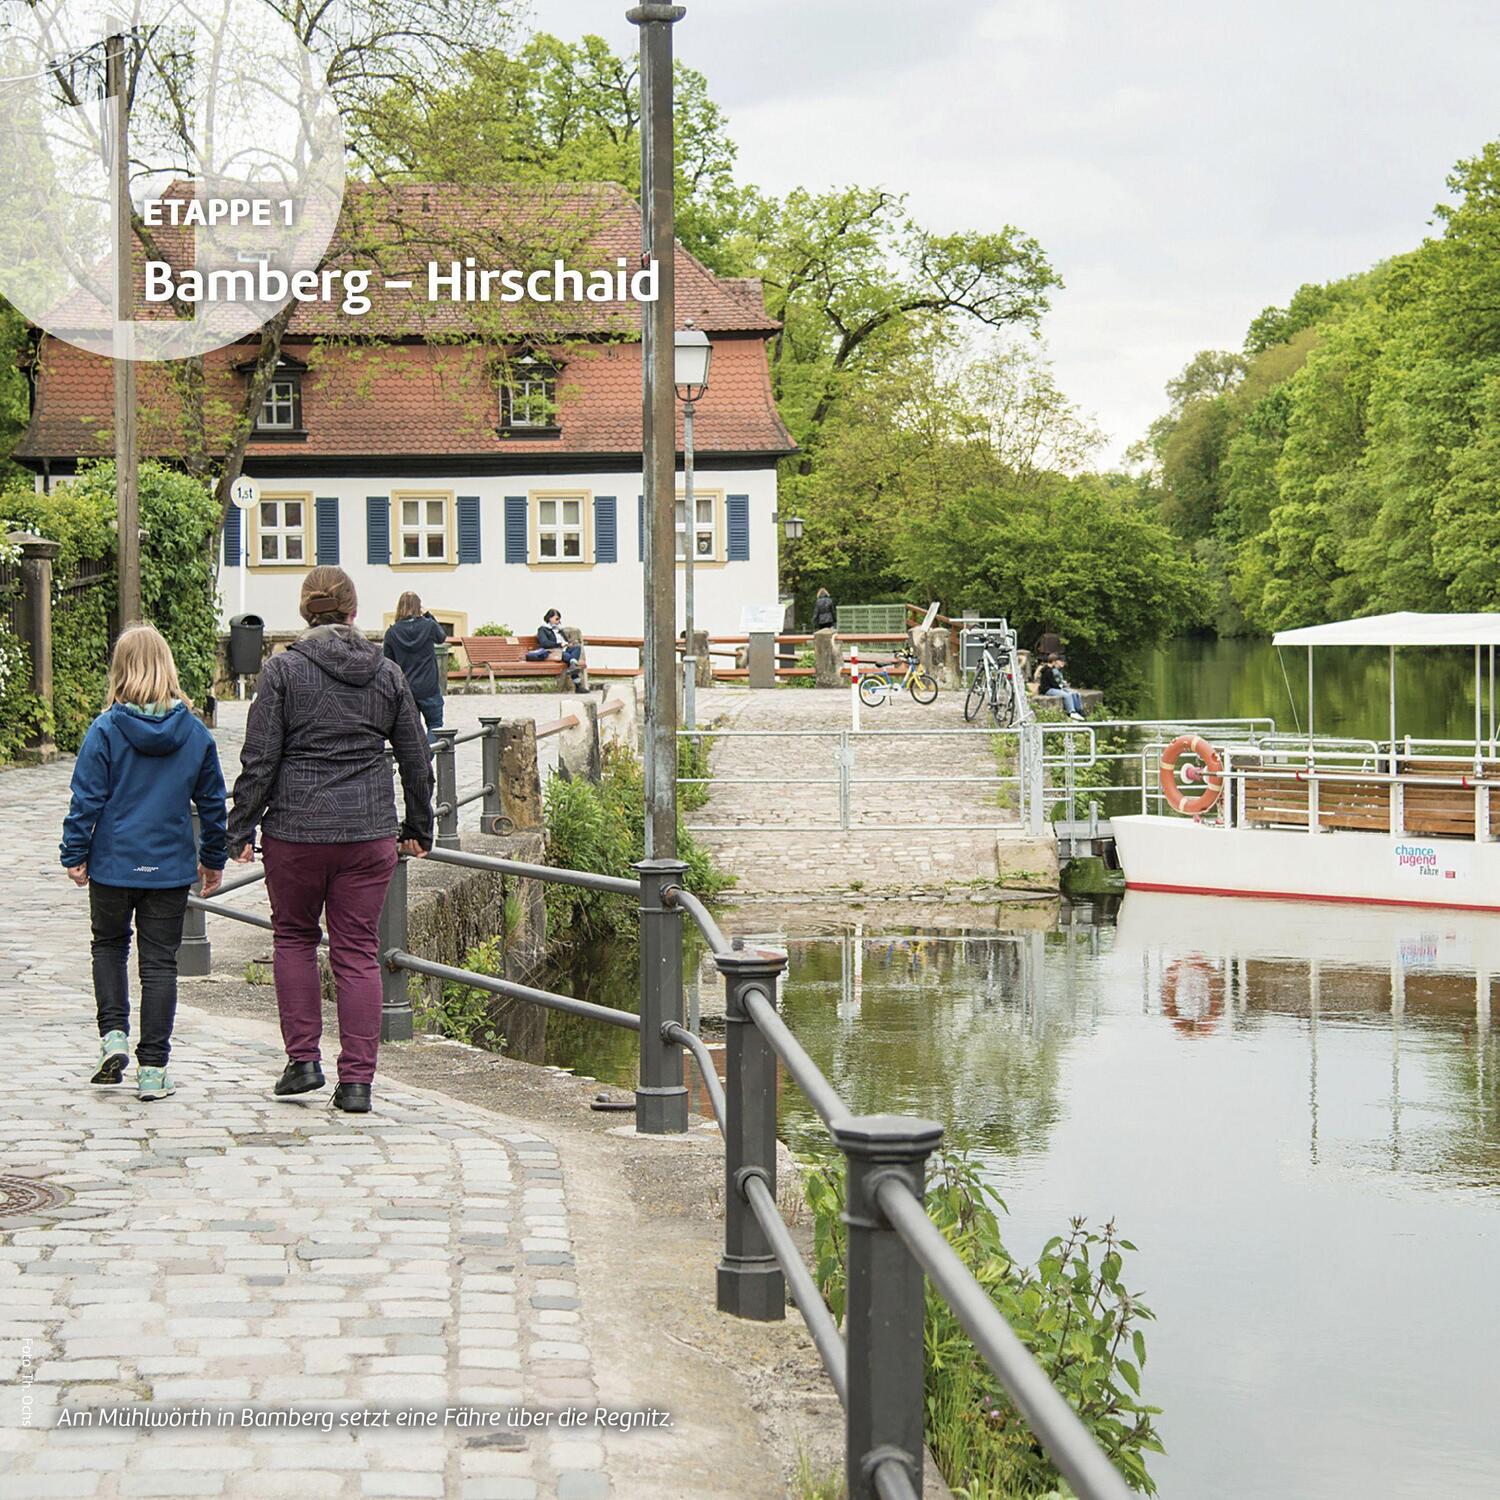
point(1404, 628)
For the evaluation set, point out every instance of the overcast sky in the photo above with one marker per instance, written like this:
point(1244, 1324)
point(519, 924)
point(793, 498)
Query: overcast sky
point(1183, 165)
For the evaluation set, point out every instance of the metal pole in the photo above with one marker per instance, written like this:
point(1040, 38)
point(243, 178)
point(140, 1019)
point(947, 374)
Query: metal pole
point(750, 1280)
point(395, 998)
point(1309, 701)
point(690, 546)
point(659, 429)
point(661, 1098)
point(444, 760)
point(491, 813)
point(127, 491)
point(1478, 708)
point(886, 1306)
point(1392, 676)
point(195, 956)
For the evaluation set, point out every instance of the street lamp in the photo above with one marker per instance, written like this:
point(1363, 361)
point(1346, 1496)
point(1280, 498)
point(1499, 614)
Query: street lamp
point(691, 356)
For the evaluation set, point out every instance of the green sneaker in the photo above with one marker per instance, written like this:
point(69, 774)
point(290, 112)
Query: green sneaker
point(153, 1083)
point(114, 1053)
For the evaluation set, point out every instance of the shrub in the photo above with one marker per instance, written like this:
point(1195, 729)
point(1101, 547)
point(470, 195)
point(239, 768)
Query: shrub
point(178, 591)
point(490, 628)
point(1071, 1310)
point(459, 1010)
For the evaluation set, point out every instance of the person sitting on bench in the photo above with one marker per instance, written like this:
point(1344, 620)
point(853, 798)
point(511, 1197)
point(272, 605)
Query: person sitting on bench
point(1051, 683)
point(552, 645)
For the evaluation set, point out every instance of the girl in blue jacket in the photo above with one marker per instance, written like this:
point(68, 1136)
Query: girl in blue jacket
point(128, 837)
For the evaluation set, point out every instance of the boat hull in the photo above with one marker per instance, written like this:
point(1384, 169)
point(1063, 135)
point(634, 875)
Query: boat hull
point(1175, 854)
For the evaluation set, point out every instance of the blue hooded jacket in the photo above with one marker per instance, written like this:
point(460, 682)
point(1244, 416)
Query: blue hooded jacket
point(135, 779)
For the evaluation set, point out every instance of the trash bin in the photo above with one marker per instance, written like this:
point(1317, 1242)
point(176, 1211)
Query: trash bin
point(247, 641)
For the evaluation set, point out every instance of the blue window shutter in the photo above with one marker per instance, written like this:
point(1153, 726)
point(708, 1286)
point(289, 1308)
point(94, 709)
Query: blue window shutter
point(326, 512)
point(606, 531)
point(378, 529)
point(232, 524)
point(468, 528)
point(737, 512)
point(640, 526)
point(515, 528)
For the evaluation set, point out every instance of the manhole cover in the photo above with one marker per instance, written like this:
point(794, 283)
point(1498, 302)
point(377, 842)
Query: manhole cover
point(22, 1196)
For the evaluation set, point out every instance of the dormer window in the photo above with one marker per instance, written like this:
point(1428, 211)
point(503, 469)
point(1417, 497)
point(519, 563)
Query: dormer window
point(528, 397)
point(280, 414)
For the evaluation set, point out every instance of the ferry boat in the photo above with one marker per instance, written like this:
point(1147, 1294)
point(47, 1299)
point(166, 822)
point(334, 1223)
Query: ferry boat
point(1398, 822)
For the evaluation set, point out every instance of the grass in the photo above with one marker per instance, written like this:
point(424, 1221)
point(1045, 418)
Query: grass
point(257, 973)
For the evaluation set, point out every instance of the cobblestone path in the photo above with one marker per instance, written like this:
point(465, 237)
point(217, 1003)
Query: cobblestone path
point(936, 848)
point(224, 1247)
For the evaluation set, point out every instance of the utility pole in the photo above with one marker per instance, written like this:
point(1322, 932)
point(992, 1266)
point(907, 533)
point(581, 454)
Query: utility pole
point(127, 487)
point(659, 427)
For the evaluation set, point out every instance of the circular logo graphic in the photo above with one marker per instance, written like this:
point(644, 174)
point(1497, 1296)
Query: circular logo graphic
point(233, 163)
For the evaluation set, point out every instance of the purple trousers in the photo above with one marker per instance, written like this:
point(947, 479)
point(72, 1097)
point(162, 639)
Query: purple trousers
point(348, 882)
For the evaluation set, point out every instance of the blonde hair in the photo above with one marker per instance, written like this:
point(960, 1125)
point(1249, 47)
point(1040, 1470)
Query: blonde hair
point(408, 606)
point(141, 671)
point(328, 597)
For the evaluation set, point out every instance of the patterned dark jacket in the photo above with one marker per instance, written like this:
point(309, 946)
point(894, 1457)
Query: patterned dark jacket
point(313, 768)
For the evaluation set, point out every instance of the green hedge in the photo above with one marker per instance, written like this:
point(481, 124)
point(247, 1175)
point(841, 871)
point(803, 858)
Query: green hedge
point(178, 581)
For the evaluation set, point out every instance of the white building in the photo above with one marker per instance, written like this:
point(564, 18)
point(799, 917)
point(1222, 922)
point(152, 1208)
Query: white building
point(497, 476)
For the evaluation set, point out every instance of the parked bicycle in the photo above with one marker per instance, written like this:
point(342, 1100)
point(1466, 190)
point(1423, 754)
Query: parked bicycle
point(876, 686)
point(997, 682)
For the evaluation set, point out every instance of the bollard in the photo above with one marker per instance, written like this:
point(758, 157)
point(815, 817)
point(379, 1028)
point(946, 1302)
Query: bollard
point(750, 1280)
point(885, 1307)
point(445, 764)
point(492, 817)
point(395, 995)
point(661, 1098)
point(520, 780)
point(195, 956)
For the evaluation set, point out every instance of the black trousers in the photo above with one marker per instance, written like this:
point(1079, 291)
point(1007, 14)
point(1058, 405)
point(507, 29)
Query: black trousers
point(158, 930)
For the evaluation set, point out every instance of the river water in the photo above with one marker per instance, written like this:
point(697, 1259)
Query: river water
point(1293, 1111)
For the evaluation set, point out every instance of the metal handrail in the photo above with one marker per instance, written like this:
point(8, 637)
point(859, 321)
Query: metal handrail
point(254, 877)
point(249, 918)
point(805, 1072)
point(551, 874)
point(713, 935)
point(674, 1031)
point(1051, 1419)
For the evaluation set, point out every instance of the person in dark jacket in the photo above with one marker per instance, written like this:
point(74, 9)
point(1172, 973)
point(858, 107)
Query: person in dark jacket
point(552, 644)
point(411, 642)
point(825, 611)
point(315, 780)
point(1051, 683)
point(145, 762)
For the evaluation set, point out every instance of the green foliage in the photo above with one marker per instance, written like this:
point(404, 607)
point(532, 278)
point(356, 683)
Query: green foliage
point(178, 589)
point(20, 710)
point(1071, 1310)
point(258, 974)
point(459, 1010)
point(490, 628)
point(602, 828)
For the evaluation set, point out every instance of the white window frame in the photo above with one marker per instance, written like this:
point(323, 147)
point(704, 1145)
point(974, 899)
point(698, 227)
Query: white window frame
point(271, 402)
point(556, 528)
point(280, 532)
point(707, 527)
point(525, 382)
point(425, 529)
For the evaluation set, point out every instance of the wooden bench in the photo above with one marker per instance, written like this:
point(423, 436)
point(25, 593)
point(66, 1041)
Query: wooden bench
point(1433, 811)
point(500, 656)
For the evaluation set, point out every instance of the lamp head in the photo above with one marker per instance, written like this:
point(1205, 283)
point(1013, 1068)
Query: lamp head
point(691, 355)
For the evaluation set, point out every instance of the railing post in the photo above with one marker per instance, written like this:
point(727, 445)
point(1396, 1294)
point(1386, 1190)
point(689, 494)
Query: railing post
point(661, 1097)
point(395, 996)
point(520, 780)
point(445, 765)
point(1034, 777)
point(885, 1304)
point(492, 817)
point(750, 1280)
point(195, 956)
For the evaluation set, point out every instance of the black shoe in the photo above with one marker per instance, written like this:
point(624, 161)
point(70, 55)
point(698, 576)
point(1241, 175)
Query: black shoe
point(300, 1078)
point(352, 1098)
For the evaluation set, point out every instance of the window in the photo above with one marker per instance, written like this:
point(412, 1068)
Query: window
point(281, 531)
point(528, 395)
point(423, 523)
point(278, 412)
point(560, 528)
point(706, 531)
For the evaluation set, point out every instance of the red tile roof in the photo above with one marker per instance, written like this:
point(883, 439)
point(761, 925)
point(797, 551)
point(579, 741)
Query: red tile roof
point(435, 392)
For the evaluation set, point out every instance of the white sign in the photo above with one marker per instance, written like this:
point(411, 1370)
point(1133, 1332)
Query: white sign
point(759, 617)
point(244, 492)
point(1434, 861)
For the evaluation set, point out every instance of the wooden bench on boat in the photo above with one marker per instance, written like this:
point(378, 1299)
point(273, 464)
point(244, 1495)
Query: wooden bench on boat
point(1349, 802)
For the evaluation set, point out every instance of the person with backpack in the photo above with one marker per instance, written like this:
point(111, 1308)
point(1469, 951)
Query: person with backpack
point(315, 781)
point(145, 763)
point(411, 641)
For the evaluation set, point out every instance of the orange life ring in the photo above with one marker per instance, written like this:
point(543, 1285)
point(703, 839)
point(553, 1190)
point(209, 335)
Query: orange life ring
point(1192, 995)
point(1213, 783)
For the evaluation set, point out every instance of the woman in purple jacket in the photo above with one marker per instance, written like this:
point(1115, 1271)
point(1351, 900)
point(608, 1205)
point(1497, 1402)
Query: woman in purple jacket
point(314, 778)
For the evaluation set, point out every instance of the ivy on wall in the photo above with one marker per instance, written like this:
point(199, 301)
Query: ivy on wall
point(178, 589)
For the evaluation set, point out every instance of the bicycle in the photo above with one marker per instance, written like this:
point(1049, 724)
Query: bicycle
point(998, 686)
point(875, 687)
